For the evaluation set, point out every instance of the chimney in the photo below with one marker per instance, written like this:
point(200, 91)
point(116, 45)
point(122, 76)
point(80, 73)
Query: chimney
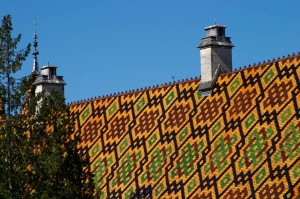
point(215, 56)
point(48, 81)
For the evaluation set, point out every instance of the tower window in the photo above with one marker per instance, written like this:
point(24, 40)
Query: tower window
point(221, 32)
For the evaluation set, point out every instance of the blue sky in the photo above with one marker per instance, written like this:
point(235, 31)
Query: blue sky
point(107, 46)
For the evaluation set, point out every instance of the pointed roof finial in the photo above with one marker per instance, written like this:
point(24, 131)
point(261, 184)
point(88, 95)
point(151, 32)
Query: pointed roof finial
point(35, 53)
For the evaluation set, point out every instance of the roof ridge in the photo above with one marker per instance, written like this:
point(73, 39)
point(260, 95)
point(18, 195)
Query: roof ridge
point(259, 64)
point(128, 92)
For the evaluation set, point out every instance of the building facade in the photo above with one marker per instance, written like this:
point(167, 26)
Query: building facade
point(170, 142)
point(229, 134)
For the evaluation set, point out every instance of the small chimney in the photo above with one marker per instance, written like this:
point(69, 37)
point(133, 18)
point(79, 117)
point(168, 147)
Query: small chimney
point(215, 56)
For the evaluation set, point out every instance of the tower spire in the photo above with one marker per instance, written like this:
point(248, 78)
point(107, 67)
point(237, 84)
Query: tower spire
point(35, 68)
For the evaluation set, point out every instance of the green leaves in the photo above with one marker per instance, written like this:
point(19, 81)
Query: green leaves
point(38, 157)
point(10, 59)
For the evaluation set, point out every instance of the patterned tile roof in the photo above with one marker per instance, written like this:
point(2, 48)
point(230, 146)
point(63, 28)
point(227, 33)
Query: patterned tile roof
point(168, 141)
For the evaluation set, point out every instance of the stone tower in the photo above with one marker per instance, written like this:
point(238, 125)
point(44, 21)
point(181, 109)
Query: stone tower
point(48, 81)
point(215, 56)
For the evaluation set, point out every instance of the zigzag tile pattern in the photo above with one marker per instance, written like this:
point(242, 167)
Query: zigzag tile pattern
point(169, 142)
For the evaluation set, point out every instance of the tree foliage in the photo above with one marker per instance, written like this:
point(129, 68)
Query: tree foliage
point(38, 155)
point(11, 61)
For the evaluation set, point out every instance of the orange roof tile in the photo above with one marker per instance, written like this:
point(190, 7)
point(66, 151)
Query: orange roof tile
point(168, 141)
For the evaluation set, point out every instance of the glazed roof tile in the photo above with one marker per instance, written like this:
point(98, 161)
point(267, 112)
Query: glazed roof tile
point(169, 141)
